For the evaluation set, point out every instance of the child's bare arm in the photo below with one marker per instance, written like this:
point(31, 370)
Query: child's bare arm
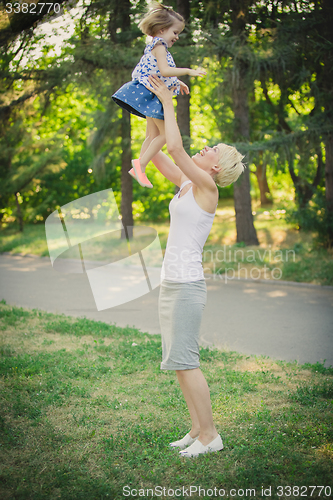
point(160, 54)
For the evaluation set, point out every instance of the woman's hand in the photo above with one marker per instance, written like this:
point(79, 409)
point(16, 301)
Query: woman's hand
point(197, 72)
point(160, 89)
point(183, 87)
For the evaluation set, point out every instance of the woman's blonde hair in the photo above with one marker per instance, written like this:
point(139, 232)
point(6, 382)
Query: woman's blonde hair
point(159, 17)
point(230, 161)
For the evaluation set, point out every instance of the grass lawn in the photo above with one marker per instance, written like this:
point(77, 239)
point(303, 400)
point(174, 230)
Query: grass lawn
point(86, 411)
point(284, 252)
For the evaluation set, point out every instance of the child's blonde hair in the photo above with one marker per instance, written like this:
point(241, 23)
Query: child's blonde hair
point(159, 17)
point(230, 161)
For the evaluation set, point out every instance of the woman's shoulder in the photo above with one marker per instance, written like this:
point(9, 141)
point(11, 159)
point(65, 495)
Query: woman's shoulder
point(207, 200)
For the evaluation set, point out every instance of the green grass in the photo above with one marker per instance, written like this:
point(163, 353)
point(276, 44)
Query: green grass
point(31, 241)
point(86, 410)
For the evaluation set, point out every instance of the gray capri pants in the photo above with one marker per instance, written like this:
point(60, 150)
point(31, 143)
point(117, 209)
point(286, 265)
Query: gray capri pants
point(180, 311)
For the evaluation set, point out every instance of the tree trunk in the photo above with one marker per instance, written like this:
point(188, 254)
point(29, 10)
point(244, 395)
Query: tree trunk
point(183, 116)
point(244, 219)
point(126, 155)
point(262, 181)
point(183, 101)
point(325, 74)
point(19, 213)
point(329, 185)
point(240, 90)
point(126, 179)
point(183, 120)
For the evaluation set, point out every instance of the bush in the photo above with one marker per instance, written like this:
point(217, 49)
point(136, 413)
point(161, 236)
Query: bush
point(315, 217)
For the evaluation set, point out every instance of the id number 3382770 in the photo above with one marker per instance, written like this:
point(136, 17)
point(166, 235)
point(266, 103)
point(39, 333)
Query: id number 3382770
point(304, 491)
point(32, 8)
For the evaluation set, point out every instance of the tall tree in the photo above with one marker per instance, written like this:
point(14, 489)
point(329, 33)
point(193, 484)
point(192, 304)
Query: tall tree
point(126, 157)
point(301, 47)
point(260, 173)
point(324, 81)
point(113, 42)
point(22, 158)
point(225, 27)
point(183, 101)
point(126, 180)
point(240, 93)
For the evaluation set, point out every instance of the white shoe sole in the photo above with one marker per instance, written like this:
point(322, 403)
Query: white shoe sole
point(198, 448)
point(184, 442)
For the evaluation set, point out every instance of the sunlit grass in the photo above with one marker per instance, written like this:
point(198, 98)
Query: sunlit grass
point(31, 241)
point(85, 410)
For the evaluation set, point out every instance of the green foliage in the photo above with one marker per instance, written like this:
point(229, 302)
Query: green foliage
point(318, 368)
point(314, 217)
point(83, 326)
point(154, 207)
point(308, 395)
point(60, 121)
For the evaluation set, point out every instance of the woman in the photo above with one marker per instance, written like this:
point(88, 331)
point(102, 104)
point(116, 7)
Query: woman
point(183, 288)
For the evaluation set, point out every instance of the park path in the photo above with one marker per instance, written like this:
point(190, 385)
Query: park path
point(286, 322)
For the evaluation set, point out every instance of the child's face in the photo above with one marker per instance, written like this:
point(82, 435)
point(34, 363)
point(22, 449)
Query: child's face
point(170, 35)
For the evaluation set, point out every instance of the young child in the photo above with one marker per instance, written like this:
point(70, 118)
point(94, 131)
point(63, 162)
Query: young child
point(164, 25)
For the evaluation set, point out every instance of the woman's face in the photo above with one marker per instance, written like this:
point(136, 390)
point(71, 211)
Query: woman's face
point(207, 158)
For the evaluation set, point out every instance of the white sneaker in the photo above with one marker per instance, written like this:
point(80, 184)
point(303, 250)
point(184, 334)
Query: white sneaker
point(198, 448)
point(182, 443)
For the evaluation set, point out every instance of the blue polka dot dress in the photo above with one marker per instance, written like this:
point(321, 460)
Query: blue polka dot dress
point(134, 96)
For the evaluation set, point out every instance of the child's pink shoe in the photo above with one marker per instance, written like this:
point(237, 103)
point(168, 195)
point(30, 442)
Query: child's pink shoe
point(132, 173)
point(140, 176)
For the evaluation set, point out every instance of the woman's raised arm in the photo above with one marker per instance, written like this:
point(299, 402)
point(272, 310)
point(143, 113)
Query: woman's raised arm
point(174, 141)
point(167, 168)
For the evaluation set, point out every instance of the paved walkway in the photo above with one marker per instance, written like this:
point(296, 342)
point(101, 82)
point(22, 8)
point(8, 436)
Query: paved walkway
point(281, 321)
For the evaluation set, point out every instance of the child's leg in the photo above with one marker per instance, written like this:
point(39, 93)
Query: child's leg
point(154, 146)
point(151, 132)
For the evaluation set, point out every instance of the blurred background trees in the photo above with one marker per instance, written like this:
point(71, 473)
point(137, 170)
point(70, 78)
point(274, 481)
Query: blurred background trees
point(268, 91)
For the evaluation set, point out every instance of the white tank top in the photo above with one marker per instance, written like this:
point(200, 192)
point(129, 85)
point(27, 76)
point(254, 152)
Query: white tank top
point(190, 226)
